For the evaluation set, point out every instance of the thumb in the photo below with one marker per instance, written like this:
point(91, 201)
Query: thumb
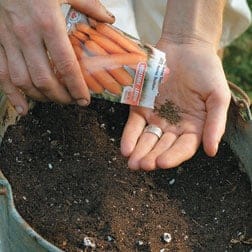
point(217, 107)
point(94, 9)
point(16, 98)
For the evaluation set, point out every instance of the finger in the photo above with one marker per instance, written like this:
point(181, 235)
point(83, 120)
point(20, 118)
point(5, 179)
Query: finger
point(15, 97)
point(132, 130)
point(40, 71)
point(64, 59)
point(216, 106)
point(148, 162)
point(17, 68)
point(145, 144)
point(182, 149)
point(94, 9)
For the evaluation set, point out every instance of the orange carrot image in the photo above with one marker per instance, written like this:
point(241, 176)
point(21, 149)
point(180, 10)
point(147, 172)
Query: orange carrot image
point(120, 74)
point(80, 35)
point(85, 28)
point(94, 48)
point(78, 51)
point(107, 44)
point(103, 77)
point(74, 40)
point(112, 61)
point(99, 74)
point(91, 82)
point(119, 38)
point(108, 82)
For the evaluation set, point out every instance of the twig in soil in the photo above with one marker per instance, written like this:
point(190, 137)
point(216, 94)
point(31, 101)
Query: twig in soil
point(121, 181)
point(63, 135)
point(231, 191)
point(242, 240)
point(197, 223)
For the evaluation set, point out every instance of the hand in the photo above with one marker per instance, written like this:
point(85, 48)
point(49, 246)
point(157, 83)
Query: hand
point(30, 30)
point(197, 97)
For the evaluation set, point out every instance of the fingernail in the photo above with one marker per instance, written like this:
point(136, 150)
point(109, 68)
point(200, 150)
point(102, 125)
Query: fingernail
point(19, 109)
point(83, 102)
point(110, 14)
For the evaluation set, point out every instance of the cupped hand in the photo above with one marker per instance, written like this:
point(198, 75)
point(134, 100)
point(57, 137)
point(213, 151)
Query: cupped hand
point(32, 30)
point(191, 108)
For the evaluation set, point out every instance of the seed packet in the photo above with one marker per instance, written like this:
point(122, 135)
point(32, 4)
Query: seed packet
point(115, 65)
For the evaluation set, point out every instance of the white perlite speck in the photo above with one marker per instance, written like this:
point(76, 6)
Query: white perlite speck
point(167, 237)
point(88, 242)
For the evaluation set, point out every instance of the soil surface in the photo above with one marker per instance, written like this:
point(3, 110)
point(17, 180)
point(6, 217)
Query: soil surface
point(71, 184)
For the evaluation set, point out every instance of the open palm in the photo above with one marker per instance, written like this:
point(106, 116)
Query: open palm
point(191, 108)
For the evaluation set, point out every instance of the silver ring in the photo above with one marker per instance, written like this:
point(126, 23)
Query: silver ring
point(153, 129)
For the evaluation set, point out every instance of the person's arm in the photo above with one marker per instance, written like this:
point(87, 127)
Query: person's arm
point(194, 20)
point(198, 22)
point(196, 93)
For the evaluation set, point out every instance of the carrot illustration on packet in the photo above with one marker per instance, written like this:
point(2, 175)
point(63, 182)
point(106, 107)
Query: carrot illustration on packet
point(115, 66)
point(119, 38)
point(112, 61)
point(120, 74)
point(80, 35)
point(91, 82)
point(96, 77)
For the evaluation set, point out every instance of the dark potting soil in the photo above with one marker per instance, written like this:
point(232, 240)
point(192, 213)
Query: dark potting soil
point(70, 183)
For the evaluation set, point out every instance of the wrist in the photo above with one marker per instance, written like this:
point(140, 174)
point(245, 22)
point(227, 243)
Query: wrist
point(178, 42)
point(177, 38)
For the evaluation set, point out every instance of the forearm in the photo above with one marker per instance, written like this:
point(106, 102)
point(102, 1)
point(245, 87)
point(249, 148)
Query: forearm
point(193, 20)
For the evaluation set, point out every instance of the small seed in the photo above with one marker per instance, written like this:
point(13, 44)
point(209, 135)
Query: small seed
point(169, 111)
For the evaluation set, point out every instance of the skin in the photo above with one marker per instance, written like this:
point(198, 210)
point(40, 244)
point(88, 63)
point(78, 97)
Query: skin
point(196, 84)
point(30, 30)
